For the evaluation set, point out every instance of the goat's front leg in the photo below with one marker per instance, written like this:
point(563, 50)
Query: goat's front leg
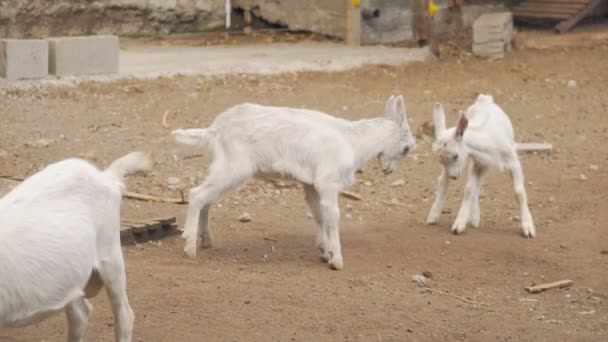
point(480, 172)
point(200, 199)
point(464, 213)
point(312, 199)
point(330, 213)
point(442, 188)
point(203, 227)
point(527, 224)
point(114, 278)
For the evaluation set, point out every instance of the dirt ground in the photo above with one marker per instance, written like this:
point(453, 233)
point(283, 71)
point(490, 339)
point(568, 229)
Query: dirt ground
point(263, 282)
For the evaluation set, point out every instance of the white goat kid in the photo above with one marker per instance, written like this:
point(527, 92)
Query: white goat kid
point(485, 133)
point(60, 243)
point(321, 151)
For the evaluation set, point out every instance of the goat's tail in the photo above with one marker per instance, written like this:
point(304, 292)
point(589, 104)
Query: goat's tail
point(129, 164)
point(199, 137)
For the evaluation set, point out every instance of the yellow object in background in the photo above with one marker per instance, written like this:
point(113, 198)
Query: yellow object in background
point(356, 3)
point(432, 8)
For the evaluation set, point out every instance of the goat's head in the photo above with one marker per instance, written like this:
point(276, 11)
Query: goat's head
point(401, 142)
point(449, 146)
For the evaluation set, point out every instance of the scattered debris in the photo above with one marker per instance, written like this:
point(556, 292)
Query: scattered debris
point(349, 206)
point(164, 121)
point(427, 274)
point(245, 217)
point(594, 167)
point(604, 251)
point(419, 280)
point(398, 182)
point(548, 286)
point(308, 215)
point(4, 154)
point(174, 183)
point(349, 216)
point(455, 296)
point(582, 177)
point(572, 83)
point(269, 239)
point(395, 201)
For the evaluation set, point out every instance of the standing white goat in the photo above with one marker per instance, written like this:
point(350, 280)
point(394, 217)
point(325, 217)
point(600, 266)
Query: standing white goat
point(60, 243)
point(485, 133)
point(321, 151)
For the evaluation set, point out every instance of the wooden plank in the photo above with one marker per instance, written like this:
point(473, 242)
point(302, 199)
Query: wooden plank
point(548, 286)
point(569, 24)
point(583, 2)
point(518, 14)
point(534, 147)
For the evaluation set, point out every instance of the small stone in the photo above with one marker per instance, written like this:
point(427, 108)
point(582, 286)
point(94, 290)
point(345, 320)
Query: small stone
point(395, 201)
point(245, 217)
point(447, 243)
point(419, 280)
point(572, 83)
point(4, 154)
point(368, 183)
point(43, 142)
point(349, 216)
point(582, 177)
point(398, 182)
point(409, 330)
point(308, 215)
point(526, 274)
point(551, 199)
point(349, 206)
point(173, 181)
point(594, 167)
point(427, 274)
point(604, 251)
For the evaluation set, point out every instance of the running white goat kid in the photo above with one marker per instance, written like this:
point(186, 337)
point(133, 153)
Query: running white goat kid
point(60, 243)
point(321, 151)
point(485, 133)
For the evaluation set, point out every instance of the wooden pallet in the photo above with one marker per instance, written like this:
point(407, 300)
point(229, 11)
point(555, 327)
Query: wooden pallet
point(139, 231)
point(566, 12)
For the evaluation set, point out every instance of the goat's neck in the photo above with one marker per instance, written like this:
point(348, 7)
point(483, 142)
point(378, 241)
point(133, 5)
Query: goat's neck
point(369, 138)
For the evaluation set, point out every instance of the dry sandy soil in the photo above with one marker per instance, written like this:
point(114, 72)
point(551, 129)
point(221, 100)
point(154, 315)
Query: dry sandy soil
point(263, 282)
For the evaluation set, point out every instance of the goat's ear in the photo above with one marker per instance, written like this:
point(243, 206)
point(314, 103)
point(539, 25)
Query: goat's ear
point(388, 107)
point(463, 122)
point(438, 119)
point(397, 111)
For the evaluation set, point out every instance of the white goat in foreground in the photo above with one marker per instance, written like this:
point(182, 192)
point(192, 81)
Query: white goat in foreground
point(321, 151)
point(60, 242)
point(485, 133)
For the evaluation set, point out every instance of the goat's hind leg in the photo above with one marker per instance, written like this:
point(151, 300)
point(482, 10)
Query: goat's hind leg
point(330, 213)
point(312, 199)
point(527, 224)
point(78, 312)
point(114, 278)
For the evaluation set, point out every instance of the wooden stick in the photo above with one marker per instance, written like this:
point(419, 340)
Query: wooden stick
point(351, 195)
point(548, 286)
point(15, 178)
point(142, 197)
point(455, 296)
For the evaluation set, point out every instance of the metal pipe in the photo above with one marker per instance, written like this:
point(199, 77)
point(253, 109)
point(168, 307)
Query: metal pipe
point(228, 13)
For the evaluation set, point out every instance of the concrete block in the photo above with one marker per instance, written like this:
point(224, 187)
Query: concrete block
point(84, 55)
point(484, 35)
point(501, 21)
point(491, 49)
point(24, 58)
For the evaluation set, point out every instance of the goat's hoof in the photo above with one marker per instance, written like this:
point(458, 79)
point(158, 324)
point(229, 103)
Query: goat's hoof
point(458, 228)
point(432, 219)
point(336, 263)
point(529, 231)
point(205, 244)
point(190, 251)
point(324, 257)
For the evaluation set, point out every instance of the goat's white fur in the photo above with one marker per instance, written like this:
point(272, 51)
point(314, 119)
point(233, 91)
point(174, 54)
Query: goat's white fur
point(485, 133)
point(60, 243)
point(321, 151)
